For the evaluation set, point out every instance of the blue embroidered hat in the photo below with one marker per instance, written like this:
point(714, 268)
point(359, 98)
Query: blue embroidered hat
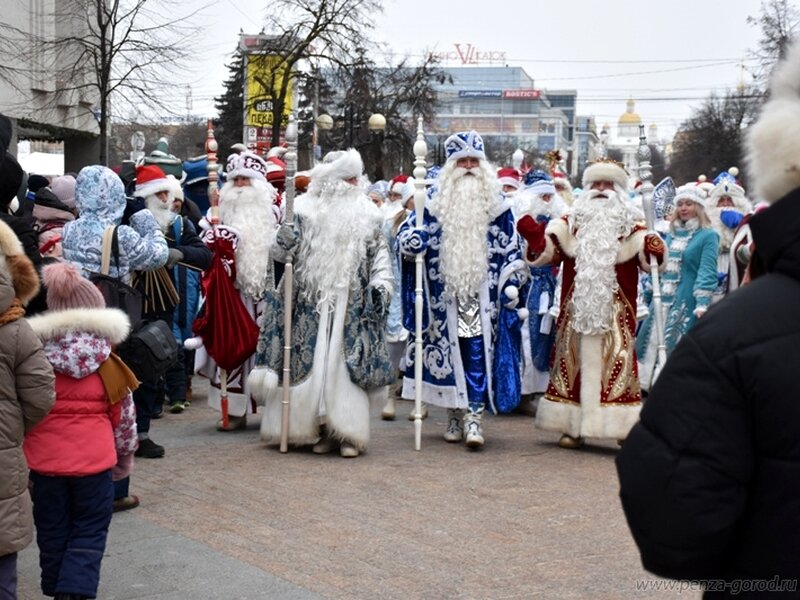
point(539, 182)
point(464, 144)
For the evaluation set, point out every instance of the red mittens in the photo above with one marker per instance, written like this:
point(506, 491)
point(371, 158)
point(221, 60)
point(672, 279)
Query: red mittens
point(654, 246)
point(533, 233)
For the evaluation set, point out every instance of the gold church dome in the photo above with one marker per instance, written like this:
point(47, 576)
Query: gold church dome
point(629, 117)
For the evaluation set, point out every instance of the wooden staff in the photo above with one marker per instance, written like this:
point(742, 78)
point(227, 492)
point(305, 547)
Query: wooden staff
point(290, 158)
point(646, 176)
point(213, 198)
point(420, 152)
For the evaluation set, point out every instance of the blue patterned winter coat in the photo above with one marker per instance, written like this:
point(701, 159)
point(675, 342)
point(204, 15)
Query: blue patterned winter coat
point(100, 199)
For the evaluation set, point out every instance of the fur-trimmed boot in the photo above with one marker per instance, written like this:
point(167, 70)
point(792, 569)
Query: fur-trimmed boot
point(455, 431)
point(473, 432)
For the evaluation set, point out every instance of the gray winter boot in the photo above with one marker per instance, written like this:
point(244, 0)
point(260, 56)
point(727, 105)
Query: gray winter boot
point(455, 432)
point(473, 432)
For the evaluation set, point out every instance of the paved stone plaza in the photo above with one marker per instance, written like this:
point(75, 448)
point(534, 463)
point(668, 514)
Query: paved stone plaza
point(224, 517)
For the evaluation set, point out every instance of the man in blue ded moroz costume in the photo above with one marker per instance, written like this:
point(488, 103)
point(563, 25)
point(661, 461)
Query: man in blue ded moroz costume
point(472, 278)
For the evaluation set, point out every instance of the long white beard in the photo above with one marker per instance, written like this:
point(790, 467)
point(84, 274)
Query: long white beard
point(725, 233)
point(162, 211)
point(249, 211)
point(463, 207)
point(535, 205)
point(338, 221)
point(600, 224)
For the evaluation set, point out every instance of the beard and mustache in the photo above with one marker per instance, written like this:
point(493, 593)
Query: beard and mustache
point(162, 210)
point(339, 221)
point(601, 220)
point(463, 207)
point(249, 210)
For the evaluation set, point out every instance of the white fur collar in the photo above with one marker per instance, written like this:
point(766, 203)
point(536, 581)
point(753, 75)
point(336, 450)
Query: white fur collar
point(628, 249)
point(110, 323)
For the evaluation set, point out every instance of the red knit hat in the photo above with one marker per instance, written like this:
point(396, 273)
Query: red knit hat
point(397, 183)
point(150, 179)
point(67, 288)
point(508, 176)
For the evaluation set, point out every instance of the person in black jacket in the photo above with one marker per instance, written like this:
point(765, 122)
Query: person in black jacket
point(710, 477)
point(11, 175)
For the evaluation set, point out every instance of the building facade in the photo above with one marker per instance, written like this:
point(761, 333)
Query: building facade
point(506, 108)
point(42, 102)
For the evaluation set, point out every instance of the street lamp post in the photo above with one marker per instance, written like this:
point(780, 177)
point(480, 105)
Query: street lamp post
point(376, 124)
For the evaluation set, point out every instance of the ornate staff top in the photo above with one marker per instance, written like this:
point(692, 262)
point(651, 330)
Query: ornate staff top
point(420, 153)
point(290, 158)
point(213, 175)
point(643, 156)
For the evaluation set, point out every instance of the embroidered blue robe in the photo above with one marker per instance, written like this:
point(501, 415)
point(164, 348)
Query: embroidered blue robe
point(444, 381)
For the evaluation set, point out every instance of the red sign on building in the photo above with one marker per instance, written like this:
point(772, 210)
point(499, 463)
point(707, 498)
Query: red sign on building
point(522, 94)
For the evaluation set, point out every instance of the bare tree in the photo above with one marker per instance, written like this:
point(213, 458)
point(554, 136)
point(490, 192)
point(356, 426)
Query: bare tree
point(324, 32)
point(779, 22)
point(101, 53)
point(711, 139)
point(400, 92)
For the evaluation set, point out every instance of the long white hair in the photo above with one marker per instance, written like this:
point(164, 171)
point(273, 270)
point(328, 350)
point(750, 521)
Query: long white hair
point(249, 210)
point(463, 205)
point(599, 223)
point(339, 219)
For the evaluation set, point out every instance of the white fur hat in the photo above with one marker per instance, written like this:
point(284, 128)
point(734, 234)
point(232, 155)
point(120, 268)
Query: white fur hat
point(605, 170)
point(342, 165)
point(773, 141)
point(692, 192)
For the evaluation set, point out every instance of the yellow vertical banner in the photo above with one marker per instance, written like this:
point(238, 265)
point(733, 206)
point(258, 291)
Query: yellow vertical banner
point(265, 74)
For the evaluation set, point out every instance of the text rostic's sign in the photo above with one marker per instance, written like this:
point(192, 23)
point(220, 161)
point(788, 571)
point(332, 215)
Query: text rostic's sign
point(265, 76)
point(522, 94)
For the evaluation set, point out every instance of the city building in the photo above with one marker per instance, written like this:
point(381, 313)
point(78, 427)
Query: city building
point(41, 104)
point(503, 104)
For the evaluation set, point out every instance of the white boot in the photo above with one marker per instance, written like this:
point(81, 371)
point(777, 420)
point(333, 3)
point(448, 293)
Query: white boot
point(387, 414)
point(473, 432)
point(455, 432)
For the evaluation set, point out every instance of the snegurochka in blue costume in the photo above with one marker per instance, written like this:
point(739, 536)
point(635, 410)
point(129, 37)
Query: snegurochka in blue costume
point(472, 278)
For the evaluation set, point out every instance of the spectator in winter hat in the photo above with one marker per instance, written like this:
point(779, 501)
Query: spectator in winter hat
point(26, 387)
point(72, 453)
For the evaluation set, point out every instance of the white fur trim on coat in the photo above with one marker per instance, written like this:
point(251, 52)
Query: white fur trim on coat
point(560, 228)
point(9, 242)
point(110, 323)
point(590, 418)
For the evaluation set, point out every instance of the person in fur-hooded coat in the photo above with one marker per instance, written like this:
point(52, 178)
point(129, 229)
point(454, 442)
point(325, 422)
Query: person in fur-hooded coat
point(26, 394)
point(73, 451)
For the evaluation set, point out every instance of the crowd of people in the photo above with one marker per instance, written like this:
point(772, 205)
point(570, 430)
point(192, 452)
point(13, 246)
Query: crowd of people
point(537, 298)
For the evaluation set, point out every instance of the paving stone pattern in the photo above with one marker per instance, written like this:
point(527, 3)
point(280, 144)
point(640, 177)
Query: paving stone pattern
point(225, 517)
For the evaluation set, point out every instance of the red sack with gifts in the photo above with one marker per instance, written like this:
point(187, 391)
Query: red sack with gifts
point(228, 330)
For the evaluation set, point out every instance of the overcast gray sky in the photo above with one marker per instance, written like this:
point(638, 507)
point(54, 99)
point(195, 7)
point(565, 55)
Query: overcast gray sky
point(666, 55)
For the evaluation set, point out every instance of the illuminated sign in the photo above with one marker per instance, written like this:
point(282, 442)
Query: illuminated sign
point(522, 94)
point(471, 55)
